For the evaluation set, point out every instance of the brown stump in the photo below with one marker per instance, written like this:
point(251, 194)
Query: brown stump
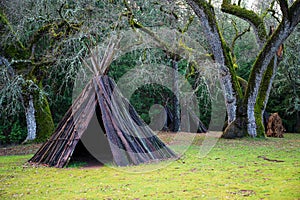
point(275, 127)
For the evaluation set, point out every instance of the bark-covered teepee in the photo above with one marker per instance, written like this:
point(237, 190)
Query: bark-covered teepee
point(130, 140)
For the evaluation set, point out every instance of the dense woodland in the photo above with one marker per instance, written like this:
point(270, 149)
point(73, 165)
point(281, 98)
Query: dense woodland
point(256, 46)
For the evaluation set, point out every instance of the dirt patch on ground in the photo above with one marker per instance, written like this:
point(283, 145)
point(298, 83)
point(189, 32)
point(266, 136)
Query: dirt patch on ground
point(166, 137)
point(19, 149)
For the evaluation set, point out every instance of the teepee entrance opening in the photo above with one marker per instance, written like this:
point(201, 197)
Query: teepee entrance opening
point(93, 147)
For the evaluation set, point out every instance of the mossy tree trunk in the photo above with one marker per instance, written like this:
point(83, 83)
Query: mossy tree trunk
point(45, 124)
point(245, 110)
point(260, 79)
point(222, 56)
point(263, 95)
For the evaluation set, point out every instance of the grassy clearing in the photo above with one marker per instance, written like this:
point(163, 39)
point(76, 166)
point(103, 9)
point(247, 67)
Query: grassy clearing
point(234, 169)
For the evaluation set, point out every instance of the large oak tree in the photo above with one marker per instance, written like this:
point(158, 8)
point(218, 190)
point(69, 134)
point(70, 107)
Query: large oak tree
point(245, 108)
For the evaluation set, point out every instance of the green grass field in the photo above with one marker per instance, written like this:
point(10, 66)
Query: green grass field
point(234, 169)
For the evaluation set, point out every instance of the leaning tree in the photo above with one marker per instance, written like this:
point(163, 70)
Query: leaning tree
point(245, 107)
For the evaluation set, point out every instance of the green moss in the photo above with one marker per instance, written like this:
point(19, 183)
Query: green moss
point(45, 124)
point(17, 49)
point(209, 11)
point(3, 19)
point(243, 83)
point(261, 98)
point(257, 66)
point(13, 52)
point(4, 22)
point(247, 15)
point(226, 1)
point(230, 64)
point(260, 130)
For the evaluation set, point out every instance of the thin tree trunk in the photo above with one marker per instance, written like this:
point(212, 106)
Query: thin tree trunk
point(185, 118)
point(30, 120)
point(176, 105)
point(297, 127)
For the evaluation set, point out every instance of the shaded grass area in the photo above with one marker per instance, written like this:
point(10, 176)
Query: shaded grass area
point(234, 169)
point(19, 149)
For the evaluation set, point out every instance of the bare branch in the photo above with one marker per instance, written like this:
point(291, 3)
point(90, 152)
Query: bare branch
point(272, 11)
point(187, 25)
point(237, 36)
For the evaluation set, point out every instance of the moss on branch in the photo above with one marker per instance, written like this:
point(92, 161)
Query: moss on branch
point(243, 83)
point(16, 50)
point(56, 30)
point(5, 22)
point(248, 15)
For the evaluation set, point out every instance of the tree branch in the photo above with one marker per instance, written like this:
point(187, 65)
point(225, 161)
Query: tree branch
point(284, 7)
point(177, 53)
point(249, 16)
point(239, 2)
point(206, 14)
point(5, 22)
point(272, 11)
point(294, 13)
point(237, 36)
point(187, 25)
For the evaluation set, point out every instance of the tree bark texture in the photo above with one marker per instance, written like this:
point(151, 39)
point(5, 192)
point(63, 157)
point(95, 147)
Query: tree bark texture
point(30, 120)
point(176, 96)
point(222, 56)
point(262, 66)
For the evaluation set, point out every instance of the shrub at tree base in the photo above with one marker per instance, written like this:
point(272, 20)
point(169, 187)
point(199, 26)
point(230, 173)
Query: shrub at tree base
point(275, 127)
